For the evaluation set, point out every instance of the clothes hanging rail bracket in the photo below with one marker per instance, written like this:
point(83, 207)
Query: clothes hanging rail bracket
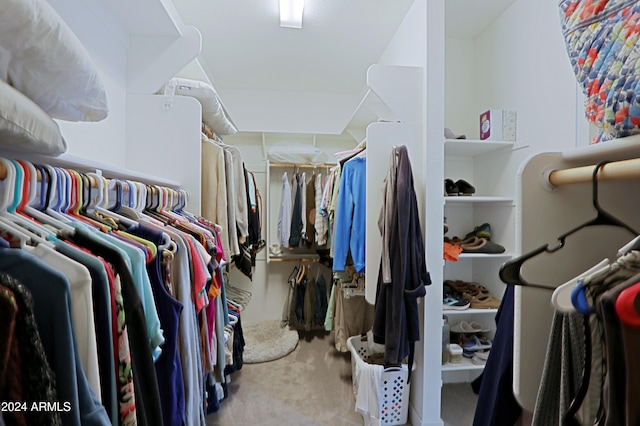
point(616, 170)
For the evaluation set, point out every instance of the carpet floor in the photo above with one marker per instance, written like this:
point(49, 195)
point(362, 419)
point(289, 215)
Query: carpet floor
point(312, 386)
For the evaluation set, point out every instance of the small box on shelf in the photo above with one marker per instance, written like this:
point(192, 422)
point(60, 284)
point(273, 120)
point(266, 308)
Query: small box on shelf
point(498, 125)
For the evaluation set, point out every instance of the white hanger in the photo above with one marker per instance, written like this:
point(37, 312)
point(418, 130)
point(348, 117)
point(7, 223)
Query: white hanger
point(35, 213)
point(561, 297)
point(55, 183)
point(40, 232)
point(14, 224)
point(102, 201)
point(627, 247)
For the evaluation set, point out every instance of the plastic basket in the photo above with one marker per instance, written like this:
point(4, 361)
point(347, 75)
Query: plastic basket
point(393, 395)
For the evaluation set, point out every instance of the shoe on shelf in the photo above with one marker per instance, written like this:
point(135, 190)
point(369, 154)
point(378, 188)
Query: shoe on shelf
point(446, 227)
point(468, 327)
point(481, 245)
point(483, 355)
point(452, 302)
point(480, 231)
point(475, 343)
point(464, 187)
point(466, 288)
point(480, 357)
point(485, 302)
point(448, 134)
point(450, 188)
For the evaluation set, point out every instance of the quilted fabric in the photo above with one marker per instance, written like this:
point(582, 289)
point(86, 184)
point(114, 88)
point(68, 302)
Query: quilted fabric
point(602, 43)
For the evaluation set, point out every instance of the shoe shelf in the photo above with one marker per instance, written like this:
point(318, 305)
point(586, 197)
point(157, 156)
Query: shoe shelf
point(465, 365)
point(473, 199)
point(473, 148)
point(484, 256)
point(469, 311)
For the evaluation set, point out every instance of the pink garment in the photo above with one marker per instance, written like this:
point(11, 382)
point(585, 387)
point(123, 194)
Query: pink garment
point(199, 278)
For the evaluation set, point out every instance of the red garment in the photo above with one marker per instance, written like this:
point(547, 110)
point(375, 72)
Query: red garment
point(199, 278)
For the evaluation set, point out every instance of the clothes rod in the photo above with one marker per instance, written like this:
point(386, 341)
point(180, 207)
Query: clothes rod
point(616, 170)
point(3, 176)
point(301, 166)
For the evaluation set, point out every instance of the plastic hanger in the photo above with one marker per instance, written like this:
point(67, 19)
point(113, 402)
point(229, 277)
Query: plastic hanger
point(579, 299)
point(561, 297)
point(511, 271)
point(57, 190)
point(31, 198)
point(631, 245)
point(39, 233)
point(102, 203)
point(627, 306)
point(24, 236)
point(5, 225)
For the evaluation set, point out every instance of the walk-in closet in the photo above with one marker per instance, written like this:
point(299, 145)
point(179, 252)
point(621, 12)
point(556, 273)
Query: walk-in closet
point(214, 213)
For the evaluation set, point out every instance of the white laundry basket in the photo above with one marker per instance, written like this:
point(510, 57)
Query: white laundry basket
point(393, 394)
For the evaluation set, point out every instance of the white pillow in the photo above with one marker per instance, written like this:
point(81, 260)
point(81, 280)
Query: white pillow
point(46, 61)
point(212, 112)
point(25, 127)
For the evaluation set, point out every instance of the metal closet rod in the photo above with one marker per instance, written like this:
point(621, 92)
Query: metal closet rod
point(616, 170)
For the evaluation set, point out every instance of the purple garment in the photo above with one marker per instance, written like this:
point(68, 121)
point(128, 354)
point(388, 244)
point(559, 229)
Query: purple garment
point(168, 366)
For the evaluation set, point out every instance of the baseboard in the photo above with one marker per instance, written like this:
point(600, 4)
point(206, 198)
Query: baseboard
point(415, 420)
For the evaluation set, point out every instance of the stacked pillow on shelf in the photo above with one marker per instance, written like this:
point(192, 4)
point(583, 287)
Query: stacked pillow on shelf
point(46, 73)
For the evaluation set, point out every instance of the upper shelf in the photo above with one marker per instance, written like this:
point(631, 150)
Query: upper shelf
point(472, 147)
point(157, 42)
point(613, 150)
point(393, 95)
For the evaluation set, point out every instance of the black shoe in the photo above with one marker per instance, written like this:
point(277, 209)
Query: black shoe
point(464, 187)
point(450, 188)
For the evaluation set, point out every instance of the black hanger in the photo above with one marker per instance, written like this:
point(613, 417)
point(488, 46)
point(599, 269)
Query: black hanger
point(511, 271)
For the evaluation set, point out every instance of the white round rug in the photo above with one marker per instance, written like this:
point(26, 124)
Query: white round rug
point(267, 341)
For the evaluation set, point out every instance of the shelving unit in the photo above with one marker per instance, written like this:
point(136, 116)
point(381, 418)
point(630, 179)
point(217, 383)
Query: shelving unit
point(473, 147)
point(477, 199)
point(469, 311)
point(463, 214)
point(464, 366)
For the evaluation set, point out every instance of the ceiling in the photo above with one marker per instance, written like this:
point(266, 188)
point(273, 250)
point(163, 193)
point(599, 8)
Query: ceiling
point(249, 58)
point(243, 46)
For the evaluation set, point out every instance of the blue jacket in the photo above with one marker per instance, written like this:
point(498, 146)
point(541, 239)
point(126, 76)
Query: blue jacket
point(351, 215)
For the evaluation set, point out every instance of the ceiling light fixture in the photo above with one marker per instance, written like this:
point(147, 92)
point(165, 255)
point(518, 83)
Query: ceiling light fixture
point(291, 13)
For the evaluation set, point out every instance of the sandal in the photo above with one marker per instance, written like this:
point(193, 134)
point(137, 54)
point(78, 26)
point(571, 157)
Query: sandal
point(468, 327)
point(482, 245)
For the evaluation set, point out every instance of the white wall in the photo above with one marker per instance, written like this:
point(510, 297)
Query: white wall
point(531, 74)
point(289, 112)
point(460, 114)
point(419, 42)
point(106, 41)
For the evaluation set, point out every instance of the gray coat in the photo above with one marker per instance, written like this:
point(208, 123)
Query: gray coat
point(396, 323)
